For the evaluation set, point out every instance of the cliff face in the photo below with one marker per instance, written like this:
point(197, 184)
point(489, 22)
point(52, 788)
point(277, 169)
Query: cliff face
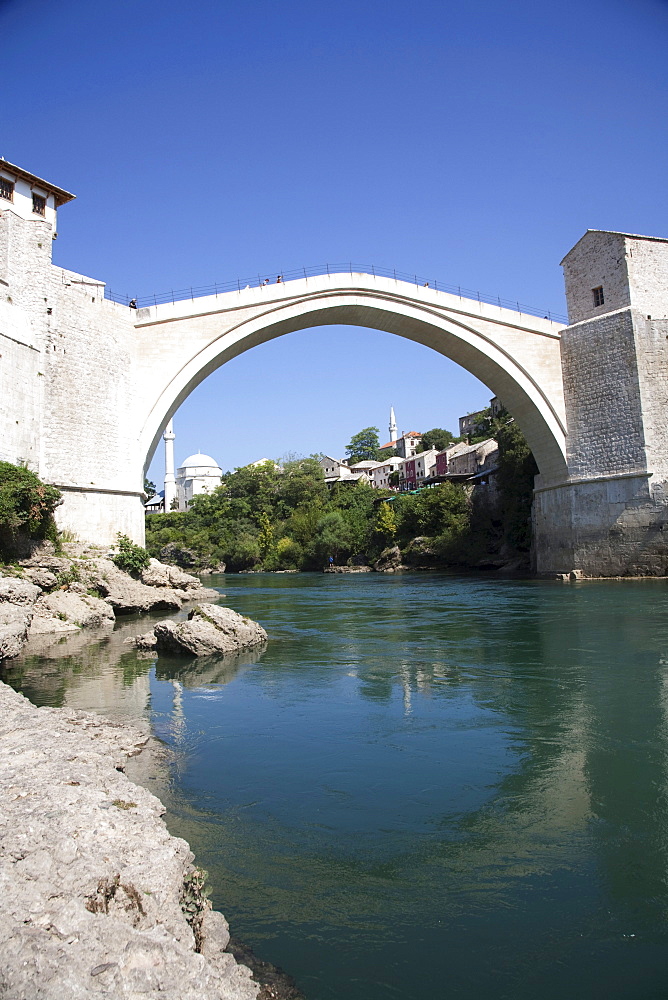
point(97, 897)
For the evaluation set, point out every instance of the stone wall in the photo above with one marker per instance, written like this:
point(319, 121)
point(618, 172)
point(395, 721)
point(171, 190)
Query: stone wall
point(611, 519)
point(598, 259)
point(67, 395)
point(604, 411)
point(604, 527)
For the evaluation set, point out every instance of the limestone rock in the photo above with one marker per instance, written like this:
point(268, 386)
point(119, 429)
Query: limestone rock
point(210, 629)
point(188, 587)
point(347, 569)
point(80, 610)
point(158, 574)
point(41, 577)
point(124, 593)
point(14, 623)
point(420, 551)
point(147, 641)
point(389, 560)
point(43, 556)
point(16, 591)
point(92, 881)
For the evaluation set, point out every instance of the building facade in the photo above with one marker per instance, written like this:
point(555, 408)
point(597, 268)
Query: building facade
point(198, 474)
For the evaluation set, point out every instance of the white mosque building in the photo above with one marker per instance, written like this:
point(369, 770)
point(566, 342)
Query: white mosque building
point(198, 474)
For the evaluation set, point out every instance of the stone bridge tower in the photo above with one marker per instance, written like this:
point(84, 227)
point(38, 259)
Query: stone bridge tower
point(611, 517)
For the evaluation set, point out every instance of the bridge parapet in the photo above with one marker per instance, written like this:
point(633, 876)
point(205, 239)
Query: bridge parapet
point(321, 270)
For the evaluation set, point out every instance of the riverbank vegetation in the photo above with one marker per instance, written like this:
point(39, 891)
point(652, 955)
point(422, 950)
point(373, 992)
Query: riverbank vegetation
point(271, 519)
point(26, 509)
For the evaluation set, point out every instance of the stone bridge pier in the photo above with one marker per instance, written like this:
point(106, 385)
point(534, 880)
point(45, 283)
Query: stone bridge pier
point(87, 385)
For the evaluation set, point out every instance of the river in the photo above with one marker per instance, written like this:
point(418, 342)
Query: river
point(427, 786)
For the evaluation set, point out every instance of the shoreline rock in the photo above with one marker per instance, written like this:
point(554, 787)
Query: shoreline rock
point(48, 594)
point(209, 630)
point(99, 898)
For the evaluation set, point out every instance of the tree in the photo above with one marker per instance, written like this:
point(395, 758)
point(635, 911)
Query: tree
point(363, 447)
point(357, 504)
point(150, 489)
point(437, 438)
point(301, 484)
point(386, 524)
point(515, 480)
point(26, 506)
point(266, 536)
point(441, 510)
point(332, 535)
point(487, 426)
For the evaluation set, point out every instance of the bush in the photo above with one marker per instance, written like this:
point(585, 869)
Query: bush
point(26, 508)
point(131, 558)
point(289, 554)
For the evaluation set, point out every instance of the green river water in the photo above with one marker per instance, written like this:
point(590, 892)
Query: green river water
point(425, 787)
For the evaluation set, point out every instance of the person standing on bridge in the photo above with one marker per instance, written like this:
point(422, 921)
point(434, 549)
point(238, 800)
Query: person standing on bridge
point(279, 279)
point(132, 303)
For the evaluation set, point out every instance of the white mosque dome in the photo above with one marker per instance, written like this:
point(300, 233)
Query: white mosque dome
point(200, 461)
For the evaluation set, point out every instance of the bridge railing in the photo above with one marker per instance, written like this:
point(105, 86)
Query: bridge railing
point(260, 280)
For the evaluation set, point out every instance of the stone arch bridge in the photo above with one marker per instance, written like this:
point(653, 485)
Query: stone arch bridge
point(87, 385)
point(176, 345)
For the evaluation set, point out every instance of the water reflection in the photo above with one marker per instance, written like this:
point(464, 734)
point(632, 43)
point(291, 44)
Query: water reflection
point(205, 670)
point(419, 773)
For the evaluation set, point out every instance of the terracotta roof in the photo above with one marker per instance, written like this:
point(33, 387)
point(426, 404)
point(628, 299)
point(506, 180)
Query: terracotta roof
point(408, 434)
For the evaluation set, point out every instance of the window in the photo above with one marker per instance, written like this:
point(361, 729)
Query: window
point(38, 204)
point(598, 296)
point(6, 189)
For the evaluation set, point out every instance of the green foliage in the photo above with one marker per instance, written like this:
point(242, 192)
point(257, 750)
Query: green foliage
point(150, 489)
point(271, 518)
point(289, 553)
point(515, 476)
point(332, 537)
point(386, 524)
point(266, 536)
point(67, 576)
point(363, 446)
point(131, 558)
point(437, 438)
point(488, 426)
point(440, 511)
point(26, 507)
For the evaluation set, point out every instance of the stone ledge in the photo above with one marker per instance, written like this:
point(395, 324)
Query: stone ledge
point(93, 884)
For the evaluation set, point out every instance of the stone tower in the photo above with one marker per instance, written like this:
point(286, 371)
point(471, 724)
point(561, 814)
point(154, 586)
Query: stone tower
point(393, 426)
point(170, 483)
point(612, 515)
point(66, 355)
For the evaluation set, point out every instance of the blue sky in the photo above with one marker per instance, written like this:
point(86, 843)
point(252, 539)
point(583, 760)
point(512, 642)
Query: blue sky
point(473, 141)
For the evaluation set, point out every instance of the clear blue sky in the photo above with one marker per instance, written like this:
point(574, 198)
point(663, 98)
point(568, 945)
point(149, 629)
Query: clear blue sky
point(473, 141)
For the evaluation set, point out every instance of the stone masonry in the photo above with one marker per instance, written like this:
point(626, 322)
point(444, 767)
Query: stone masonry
point(611, 517)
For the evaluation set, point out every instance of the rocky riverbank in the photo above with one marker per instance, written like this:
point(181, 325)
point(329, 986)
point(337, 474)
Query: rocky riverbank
point(97, 897)
point(51, 593)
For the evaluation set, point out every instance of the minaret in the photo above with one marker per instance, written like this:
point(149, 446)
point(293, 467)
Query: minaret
point(393, 426)
point(170, 486)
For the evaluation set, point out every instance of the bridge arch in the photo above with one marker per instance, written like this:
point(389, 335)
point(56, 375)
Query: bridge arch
point(516, 356)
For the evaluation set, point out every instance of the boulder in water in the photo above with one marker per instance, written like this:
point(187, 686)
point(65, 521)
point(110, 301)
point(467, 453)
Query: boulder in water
point(209, 630)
